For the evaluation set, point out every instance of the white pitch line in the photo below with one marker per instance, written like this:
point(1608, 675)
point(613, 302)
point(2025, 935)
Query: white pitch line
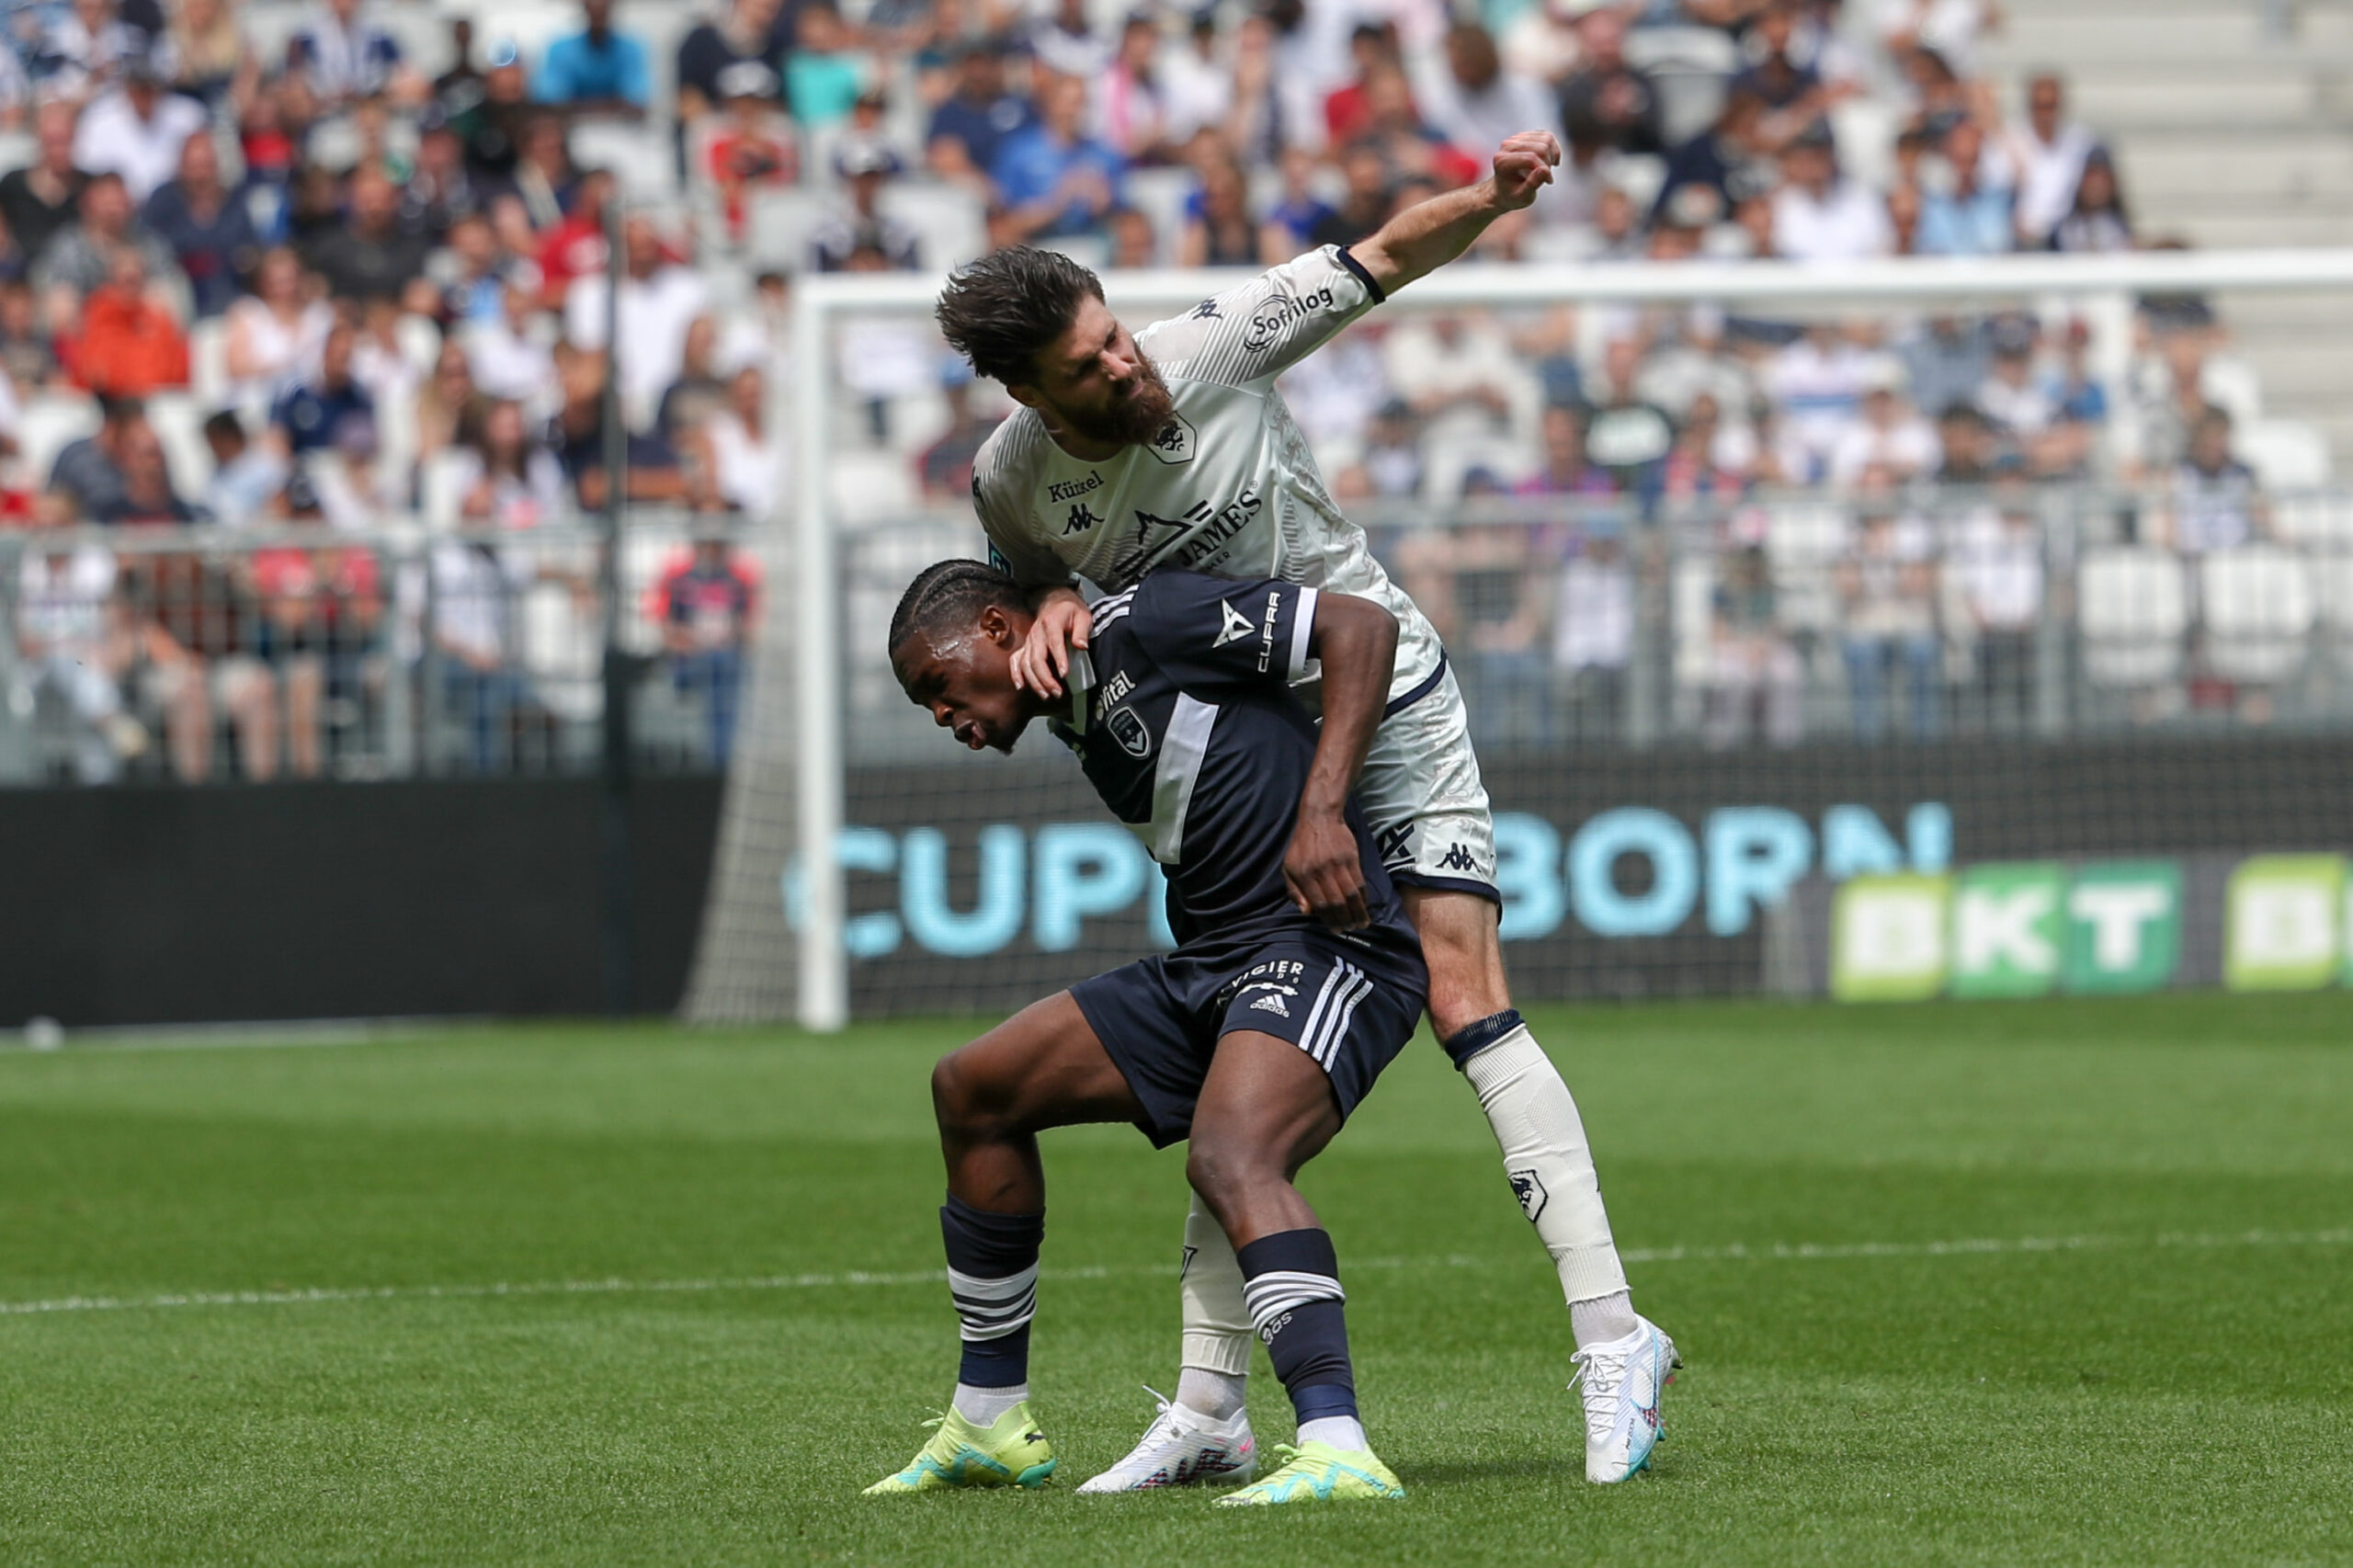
point(1777, 1252)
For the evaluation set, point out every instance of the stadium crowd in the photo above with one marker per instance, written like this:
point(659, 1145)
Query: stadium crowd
point(311, 266)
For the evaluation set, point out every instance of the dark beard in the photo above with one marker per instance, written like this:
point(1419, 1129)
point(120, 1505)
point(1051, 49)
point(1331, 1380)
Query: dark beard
point(1135, 418)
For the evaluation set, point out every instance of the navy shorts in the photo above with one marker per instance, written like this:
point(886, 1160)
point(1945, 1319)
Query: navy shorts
point(1349, 1000)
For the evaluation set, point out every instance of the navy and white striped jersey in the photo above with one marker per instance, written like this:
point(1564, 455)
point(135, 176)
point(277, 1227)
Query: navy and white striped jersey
point(1182, 717)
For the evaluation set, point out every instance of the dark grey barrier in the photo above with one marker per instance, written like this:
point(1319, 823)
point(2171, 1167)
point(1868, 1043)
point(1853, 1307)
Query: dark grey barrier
point(143, 906)
point(981, 882)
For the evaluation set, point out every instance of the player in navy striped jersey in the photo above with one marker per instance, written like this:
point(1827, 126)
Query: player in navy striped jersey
point(1255, 1039)
point(1170, 446)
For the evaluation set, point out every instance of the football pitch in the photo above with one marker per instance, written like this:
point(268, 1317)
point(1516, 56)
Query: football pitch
point(2052, 1282)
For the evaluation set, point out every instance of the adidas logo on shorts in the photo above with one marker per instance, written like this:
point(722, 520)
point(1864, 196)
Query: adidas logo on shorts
point(1272, 1002)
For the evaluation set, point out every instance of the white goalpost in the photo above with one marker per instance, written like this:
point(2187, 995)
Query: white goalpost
point(789, 792)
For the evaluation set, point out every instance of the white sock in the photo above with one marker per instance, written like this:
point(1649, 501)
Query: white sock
point(1206, 1392)
point(1599, 1322)
point(1345, 1433)
point(982, 1406)
point(1217, 1321)
point(1549, 1164)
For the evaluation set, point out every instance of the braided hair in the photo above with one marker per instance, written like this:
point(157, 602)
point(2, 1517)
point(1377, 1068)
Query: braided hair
point(949, 593)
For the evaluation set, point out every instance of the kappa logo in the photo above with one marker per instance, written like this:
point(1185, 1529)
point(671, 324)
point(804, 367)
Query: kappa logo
point(1237, 625)
point(1185, 1265)
point(1272, 1002)
point(1528, 1187)
point(1080, 520)
point(1174, 442)
point(1458, 859)
point(1207, 311)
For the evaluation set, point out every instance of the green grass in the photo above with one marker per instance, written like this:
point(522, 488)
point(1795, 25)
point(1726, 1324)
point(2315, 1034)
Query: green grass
point(2168, 1381)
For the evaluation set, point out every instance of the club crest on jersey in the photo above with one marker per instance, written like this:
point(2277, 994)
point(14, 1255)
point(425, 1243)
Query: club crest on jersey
point(1276, 312)
point(1127, 728)
point(1237, 625)
point(1175, 441)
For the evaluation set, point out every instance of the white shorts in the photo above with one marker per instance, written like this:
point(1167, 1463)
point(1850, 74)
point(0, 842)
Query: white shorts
point(1421, 795)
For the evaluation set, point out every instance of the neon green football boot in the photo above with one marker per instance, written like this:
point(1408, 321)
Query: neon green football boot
point(1318, 1473)
point(1011, 1454)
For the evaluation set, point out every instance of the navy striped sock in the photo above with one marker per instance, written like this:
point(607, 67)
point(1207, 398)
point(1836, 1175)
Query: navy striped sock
point(993, 1277)
point(1291, 1281)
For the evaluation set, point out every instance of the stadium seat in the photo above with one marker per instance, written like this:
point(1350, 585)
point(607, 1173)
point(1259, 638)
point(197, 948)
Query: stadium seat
point(2133, 611)
point(2286, 454)
point(643, 162)
point(17, 150)
point(779, 224)
point(2332, 577)
point(2318, 523)
point(1692, 612)
point(177, 419)
point(1160, 195)
point(951, 223)
point(872, 487)
point(1691, 67)
point(51, 421)
point(2256, 602)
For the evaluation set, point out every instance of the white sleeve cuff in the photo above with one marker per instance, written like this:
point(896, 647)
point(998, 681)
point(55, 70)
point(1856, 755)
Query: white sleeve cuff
point(1303, 625)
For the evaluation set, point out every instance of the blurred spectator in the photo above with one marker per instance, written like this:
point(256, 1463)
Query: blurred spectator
point(1627, 435)
point(440, 190)
point(865, 169)
point(754, 148)
point(1366, 203)
point(314, 414)
point(1129, 116)
point(2023, 404)
point(1998, 562)
point(708, 605)
point(1298, 211)
point(1966, 210)
point(1711, 459)
point(699, 391)
point(276, 332)
point(1604, 102)
point(247, 475)
point(944, 470)
point(543, 175)
point(746, 450)
point(1391, 465)
point(1947, 363)
point(42, 199)
point(1463, 381)
point(449, 405)
point(321, 606)
point(1133, 243)
point(1788, 92)
point(1970, 448)
point(1563, 471)
point(1821, 215)
point(128, 345)
point(2214, 502)
point(576, 247)
point(339, 56)
point(27, 352)
point(1348, 114)
point(263, 138)
point(147, 495)
point(1903, 221)
point(1593, 630)
point(137, 130)
point(81, 257)
point(370, 256)
point(508, 355)
point(492, 125)
point(475, 636)
point(1948, 28)
point(742, 36)
point(658, 299)
point(578, 436)
point(1724, 165)
point(209, 231)
point(1890, 445)
point(70, 641)
point(971, 128)
point(215, 65)
point(1196, 82)
point(89, 470)
point(2049, 152)
point(503, 479)
point(2096, 220)
point(1756, 680)
point(1474, 101)
point(1483, 585)
point(1887, 581)
point(1219, 231)
point(824, 75)
point(1055, 181)
point(1062, 38)
point(84, 45)
point(476, 289)
point(597, 70)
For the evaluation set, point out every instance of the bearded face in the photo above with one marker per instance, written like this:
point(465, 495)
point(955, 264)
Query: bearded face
point(1130, 413)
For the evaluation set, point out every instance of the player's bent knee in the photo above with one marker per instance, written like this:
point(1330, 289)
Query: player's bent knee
point(964, 1101)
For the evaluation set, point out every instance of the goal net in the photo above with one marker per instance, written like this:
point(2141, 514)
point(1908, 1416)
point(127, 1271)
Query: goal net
point(1903, 630)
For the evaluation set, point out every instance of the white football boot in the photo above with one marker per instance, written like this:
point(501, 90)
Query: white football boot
point(1183, 1447)
point(1622, 1380)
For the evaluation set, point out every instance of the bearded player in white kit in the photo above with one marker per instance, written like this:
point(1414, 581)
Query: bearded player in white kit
point(1170, 446)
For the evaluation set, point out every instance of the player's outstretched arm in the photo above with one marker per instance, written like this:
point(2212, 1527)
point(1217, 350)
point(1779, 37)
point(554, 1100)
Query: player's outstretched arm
point(1355, 640)
point(1429, 234)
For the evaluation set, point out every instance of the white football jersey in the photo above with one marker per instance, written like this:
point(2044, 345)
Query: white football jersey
point(1228, 485)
